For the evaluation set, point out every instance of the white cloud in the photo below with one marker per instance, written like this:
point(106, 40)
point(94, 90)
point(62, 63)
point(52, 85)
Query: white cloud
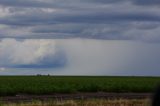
point(25, 52)
point(4, 11)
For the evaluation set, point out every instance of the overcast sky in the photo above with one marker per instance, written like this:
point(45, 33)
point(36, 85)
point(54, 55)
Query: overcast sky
point(80, 37)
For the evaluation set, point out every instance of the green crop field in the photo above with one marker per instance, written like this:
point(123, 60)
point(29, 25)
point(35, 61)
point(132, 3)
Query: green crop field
point(13, 85)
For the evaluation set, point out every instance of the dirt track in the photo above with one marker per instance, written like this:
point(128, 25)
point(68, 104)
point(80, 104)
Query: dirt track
point(80, 96)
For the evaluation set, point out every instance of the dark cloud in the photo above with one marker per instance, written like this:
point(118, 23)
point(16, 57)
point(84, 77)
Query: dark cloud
point(33, 23)
point(146, 2)
point(70, 3)
point(94, 19)
point(104, 1)
point(24, 3)
point(98, 17)
point(51, 3)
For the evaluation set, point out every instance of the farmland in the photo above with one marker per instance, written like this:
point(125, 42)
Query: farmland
point(41, 85)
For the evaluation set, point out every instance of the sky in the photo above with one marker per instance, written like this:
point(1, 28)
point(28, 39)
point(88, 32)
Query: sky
point(80, 37)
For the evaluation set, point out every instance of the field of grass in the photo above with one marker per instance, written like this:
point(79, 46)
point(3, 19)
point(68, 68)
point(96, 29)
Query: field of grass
point(12, 85)
point(92, 102)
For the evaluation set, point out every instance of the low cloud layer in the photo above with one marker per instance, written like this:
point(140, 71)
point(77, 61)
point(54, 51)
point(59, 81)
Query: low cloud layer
point(91, 19)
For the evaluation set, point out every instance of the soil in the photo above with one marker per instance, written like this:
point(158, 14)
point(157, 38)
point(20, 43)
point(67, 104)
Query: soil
point(76, 96)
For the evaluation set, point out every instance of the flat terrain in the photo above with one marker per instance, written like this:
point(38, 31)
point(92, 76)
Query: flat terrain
point(88, 102)
point(50, 85)
point(76, 90)
point(78, 96)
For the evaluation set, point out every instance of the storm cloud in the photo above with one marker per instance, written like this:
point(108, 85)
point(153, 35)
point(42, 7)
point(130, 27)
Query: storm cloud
point(91, 19)
point(89, 37)
point(79, 57)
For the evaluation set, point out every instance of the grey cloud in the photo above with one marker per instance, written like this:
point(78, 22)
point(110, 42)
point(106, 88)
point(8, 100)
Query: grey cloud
point(136, 2)
point(71, 3)
point(51, 3)
point(86, 17)
point(147, 26)
point(33, 23)
point(146, 2)
point(56, 4)
point(107, 17)
point(87, 57)
point(93, 19)
point(24, 3)
point(104, 1)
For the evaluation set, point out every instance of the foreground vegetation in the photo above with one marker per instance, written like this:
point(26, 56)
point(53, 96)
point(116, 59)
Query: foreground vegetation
point(96, 102)
point(13, 85)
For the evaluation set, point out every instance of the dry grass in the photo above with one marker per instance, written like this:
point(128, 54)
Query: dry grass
point(93, 102)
